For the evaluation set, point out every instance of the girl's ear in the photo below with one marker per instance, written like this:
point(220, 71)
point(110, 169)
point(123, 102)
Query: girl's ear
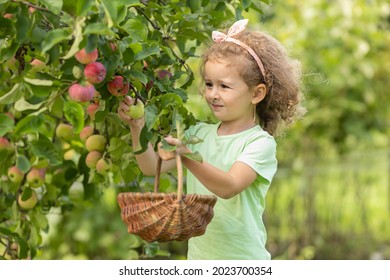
point(259, 93)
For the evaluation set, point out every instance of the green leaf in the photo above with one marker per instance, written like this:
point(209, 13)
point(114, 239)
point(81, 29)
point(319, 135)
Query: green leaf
point(30, 123)
point(147, 50)
point(78, 37)
point(27, 192)
point(54, 37)
point(53, 5)
point(22, 27)
point(193, 140)
point(74, 113)
point(129, 3)
point(98, 28)
point(171, 100)
point(43, 147)
point(168, 147)
point(14, 94)
point(246, 4)
point(6, 124)
point(110, 11)
point(194, 156)
point(39, 220)
point(23, 251)
point(23, 105)
point(84, 7)
point(136, 29)
point(151, 116)
point(5, 231)
point(38, 82)
point(23, 163)
point(138, 75)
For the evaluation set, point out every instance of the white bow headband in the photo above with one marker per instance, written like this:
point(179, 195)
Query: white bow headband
point(236, 28)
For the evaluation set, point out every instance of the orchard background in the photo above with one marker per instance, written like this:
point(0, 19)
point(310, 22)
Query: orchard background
point(330, 198)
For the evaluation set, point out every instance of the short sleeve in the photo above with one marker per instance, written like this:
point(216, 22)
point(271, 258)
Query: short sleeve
point(260, 155)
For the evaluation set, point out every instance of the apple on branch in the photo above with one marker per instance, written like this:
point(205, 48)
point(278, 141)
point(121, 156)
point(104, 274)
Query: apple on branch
point(103, 166)
point(86, 132)
point(92, 109)
point(96, 142)
point(15, 174)
point(95, 72)
point(92, 158)
point(36, 177)
point(65, 132)
point(30, 202)
point(5, 145)
point(85, 57)
point(80, 93)
point(118, 86)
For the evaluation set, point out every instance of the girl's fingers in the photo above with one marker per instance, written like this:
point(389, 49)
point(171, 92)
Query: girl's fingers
point(128, 100)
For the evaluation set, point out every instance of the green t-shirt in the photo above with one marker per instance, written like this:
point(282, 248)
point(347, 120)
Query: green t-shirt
point(237, 230)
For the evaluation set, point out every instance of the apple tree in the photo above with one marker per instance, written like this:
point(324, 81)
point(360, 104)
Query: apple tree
point(64, 67)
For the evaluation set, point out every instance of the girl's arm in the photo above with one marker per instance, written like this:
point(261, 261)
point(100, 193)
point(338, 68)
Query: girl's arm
point(223, 184)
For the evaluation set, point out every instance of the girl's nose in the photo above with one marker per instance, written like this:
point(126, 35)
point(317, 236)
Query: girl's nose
point(214, 94)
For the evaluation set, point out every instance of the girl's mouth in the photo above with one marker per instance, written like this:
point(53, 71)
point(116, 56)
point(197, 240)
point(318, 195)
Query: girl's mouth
point(215, 106)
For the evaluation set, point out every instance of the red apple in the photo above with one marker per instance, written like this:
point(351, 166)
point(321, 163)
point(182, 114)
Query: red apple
point(118, 86)
point(149, 85)
point(92, 159)
point(28, 203)
point(81, 93)
point(83, 57)
point(86, 132)
point(37, 65)
point(96, 142)
point(103, 166)
point(162, 74)
point(92, 109)
point(35, 177)
point(95, 72)
point(5, 144)
point(15, 175)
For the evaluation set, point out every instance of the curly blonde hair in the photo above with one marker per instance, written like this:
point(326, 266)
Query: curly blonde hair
point(282, 104)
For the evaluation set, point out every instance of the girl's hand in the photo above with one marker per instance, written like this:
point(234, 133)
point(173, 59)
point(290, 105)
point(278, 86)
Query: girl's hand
point(123, 112)
point(180, 149)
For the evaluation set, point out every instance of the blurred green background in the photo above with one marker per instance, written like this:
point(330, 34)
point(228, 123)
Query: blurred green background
point(330, 198)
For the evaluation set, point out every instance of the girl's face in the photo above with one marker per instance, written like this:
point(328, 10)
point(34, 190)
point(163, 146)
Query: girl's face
point(228, 96)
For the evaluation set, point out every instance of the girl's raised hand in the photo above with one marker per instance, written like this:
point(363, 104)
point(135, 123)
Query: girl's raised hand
point(125, 106)
point(180, 148)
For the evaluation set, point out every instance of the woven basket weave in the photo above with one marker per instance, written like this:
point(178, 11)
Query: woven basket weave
point(166, 216)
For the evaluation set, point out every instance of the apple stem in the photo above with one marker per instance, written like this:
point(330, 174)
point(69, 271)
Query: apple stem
point(137, 94)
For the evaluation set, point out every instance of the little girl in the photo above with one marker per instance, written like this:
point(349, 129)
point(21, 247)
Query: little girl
point(252, 88)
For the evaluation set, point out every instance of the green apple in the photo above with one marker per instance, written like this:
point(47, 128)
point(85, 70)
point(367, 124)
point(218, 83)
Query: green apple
point(15, 175)
point(137, 110)
point(103, 166)
point(28, 203)
point(64, 131)
point(95, 142)
point(35, 178)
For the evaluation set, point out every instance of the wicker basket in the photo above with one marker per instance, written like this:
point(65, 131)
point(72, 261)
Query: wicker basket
point(166, 216)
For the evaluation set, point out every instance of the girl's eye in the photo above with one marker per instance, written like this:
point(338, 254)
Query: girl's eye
point(209, 85)
point(224, 86)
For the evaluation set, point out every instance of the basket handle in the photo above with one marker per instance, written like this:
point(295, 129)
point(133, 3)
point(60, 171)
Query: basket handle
point(179, 166)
